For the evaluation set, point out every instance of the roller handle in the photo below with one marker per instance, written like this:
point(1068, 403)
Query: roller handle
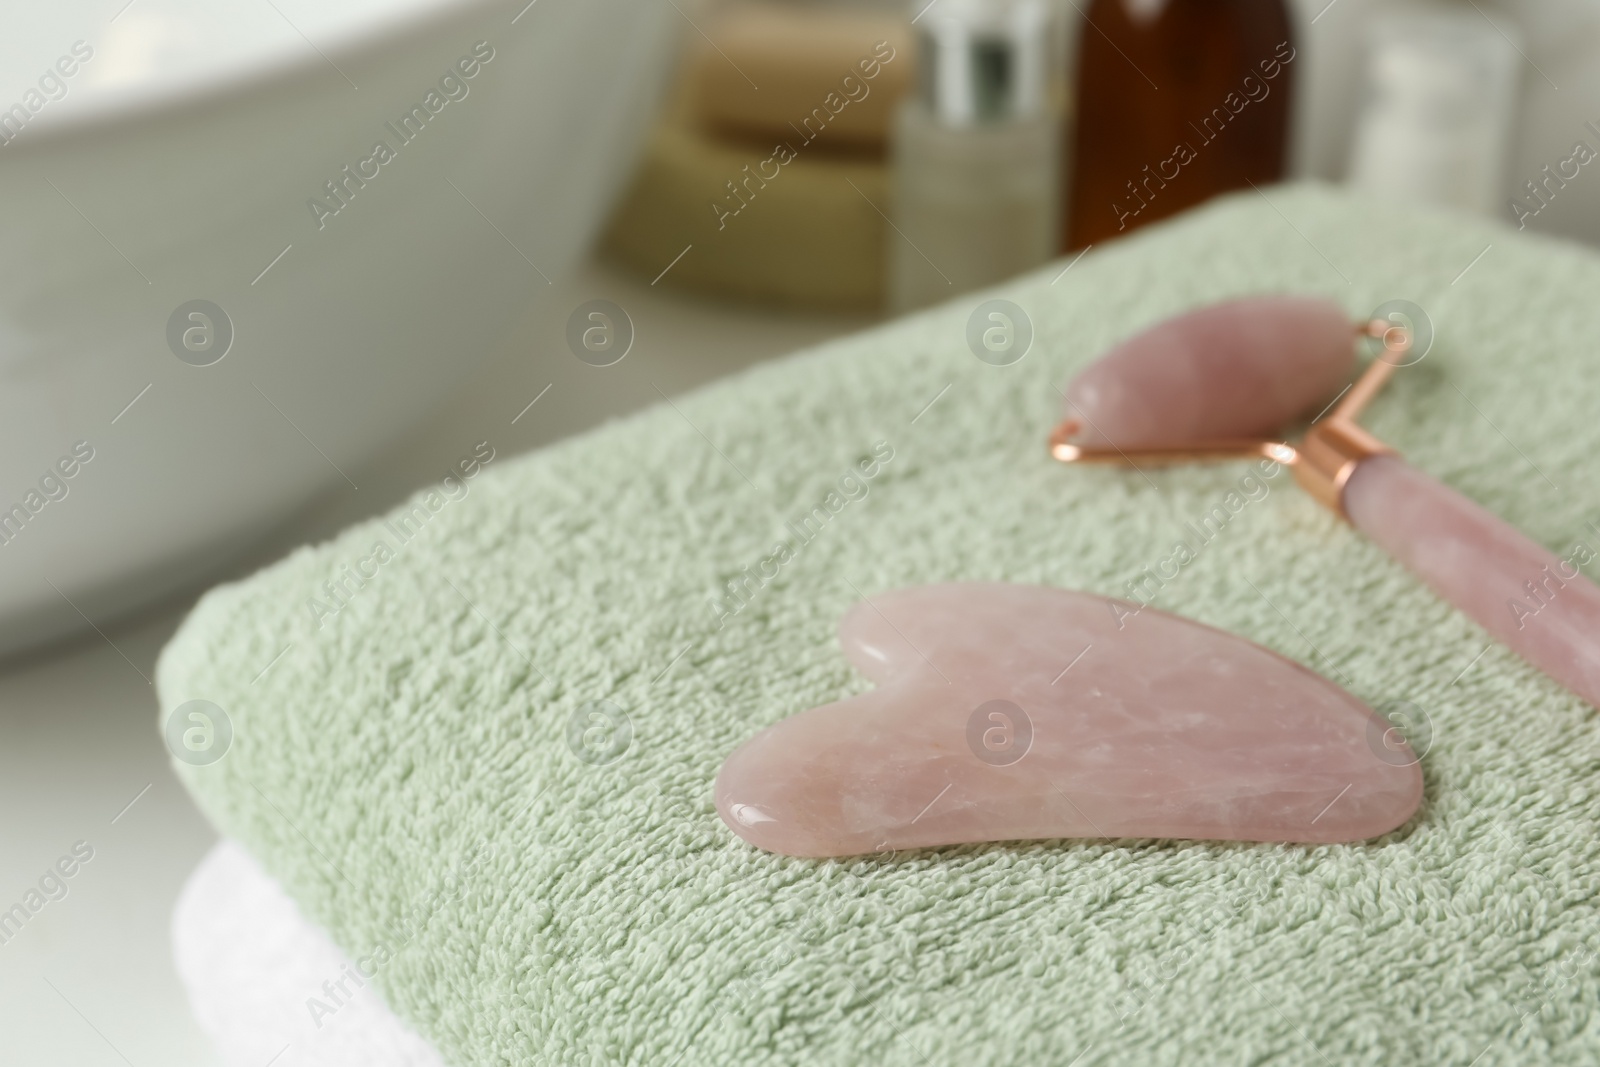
point(1539, 604)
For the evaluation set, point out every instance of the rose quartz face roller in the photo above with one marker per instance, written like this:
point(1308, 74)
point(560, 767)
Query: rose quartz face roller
point(1006, 712)
point(1208, 383)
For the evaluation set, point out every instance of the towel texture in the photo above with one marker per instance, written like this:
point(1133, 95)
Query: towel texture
point(250, 961)
point(485, 765)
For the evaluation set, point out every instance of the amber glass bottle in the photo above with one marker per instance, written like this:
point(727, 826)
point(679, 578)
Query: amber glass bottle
point(1177, 101)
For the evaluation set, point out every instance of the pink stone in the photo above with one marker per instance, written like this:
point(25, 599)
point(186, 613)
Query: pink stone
point(1524, 595)
point(1112, 722)
point(1245, 368)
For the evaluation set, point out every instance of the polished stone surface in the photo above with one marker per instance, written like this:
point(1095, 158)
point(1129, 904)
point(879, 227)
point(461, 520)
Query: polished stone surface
point(1538, 603)
point(1009, 712)
point(1244, 368)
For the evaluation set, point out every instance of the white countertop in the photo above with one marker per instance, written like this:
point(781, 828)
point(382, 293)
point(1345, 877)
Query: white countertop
point(89, 980)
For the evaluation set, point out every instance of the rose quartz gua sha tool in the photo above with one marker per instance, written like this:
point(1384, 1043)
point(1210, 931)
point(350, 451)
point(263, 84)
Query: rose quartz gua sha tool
point(1010, 712)
point(1203, 385)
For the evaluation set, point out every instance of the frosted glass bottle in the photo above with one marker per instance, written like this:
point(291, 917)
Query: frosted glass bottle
point(976, 152)
point(1442, 89)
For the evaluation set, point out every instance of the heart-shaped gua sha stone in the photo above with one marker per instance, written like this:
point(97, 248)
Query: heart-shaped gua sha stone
point(1011, 712)
point(1243, 368)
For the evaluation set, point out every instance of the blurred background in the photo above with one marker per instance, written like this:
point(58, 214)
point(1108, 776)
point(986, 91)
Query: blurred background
point(267, 267)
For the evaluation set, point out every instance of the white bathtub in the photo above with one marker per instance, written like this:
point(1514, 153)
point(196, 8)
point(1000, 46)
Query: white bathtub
point(188, 158)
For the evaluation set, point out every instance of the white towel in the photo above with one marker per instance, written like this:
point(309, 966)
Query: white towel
point(264, 982)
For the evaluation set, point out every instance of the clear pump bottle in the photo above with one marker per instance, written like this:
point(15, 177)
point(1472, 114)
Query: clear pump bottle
point(976, 150)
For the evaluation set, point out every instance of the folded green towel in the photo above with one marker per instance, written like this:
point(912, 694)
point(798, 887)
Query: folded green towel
point(419, 754)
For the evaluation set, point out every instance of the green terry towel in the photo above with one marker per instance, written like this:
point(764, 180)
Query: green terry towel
point(476, 740)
